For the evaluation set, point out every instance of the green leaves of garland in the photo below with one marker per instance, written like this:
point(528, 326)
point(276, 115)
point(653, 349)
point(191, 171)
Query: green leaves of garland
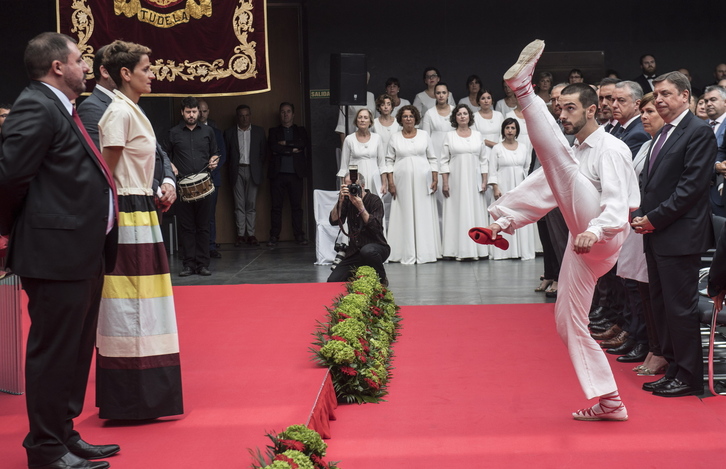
point(355, 342)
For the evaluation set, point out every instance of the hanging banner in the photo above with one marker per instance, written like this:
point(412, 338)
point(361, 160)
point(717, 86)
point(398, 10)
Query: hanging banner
point(199, 47)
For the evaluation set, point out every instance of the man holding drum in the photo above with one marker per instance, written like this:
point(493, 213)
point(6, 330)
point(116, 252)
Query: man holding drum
point(193, 150)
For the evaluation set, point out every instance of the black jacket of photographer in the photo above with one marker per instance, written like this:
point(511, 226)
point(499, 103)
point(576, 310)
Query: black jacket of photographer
point(359, 233)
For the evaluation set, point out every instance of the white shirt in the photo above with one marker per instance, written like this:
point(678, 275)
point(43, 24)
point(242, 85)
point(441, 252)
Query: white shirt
point(243, 138)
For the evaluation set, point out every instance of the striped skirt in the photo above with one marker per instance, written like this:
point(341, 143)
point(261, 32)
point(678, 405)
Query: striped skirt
point(138, 373)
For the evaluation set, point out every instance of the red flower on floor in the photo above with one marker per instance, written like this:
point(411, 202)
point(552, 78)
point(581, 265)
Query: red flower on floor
point(346, 370)
point(282, 457)
point(293, 444)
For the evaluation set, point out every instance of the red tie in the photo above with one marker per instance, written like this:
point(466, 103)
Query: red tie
point(101, 161)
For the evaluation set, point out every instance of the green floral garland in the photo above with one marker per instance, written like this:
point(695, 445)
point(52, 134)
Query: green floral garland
point(296, 447)
point(355, 341)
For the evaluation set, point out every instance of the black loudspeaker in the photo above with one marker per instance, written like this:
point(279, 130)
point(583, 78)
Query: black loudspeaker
point(348, 81)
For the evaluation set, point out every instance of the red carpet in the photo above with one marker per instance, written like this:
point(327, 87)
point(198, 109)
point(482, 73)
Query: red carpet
point(492, 387)
point(245, 371)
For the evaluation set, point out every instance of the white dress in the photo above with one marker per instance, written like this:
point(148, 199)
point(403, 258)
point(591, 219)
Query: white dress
point(507, 169)
point(465, 159)
point(413, 228)
point(385, 132)
point(370, 158)
point(465, 100)
point(404, 102)
point(490, 129)
point(502, 107)
point(423, 102)
point(438, 126)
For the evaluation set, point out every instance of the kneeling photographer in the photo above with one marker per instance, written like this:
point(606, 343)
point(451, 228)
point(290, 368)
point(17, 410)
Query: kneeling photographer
point(364, 213)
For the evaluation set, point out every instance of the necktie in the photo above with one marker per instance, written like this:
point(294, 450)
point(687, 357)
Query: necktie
point(713, 124)
point(659, 145)
point(615, 129)
point(97, 154)
point(619, 132)
point(608, 127)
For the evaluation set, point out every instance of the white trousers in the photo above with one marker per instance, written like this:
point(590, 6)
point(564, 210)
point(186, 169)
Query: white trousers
point(559, 183)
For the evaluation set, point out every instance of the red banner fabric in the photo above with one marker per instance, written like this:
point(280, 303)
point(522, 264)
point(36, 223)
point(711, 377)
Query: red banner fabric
point(199, 47)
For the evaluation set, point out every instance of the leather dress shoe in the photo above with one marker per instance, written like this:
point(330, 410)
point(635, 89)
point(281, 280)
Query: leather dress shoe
point(638, 354)
point(239, 241)
point(215, 254)
point(608, 334)
point(677, 388)
point(616, 341)
point(71, 461)
point(204, 271)
point(88, 451)
point(252, 241)
point(186, 272)
point(623, 349)
point(601, 327)
point(272, 241)
point(598, 313)
point(302, 241)
point(653, 385)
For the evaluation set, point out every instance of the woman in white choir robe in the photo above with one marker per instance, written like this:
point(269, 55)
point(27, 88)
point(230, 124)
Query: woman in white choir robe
point(365, 150)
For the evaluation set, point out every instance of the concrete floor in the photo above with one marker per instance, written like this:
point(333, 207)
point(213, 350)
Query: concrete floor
point(439, 283)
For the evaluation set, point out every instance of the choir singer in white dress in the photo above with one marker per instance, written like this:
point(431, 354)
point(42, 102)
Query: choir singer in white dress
point(464, 166)
point(413, 231)
point(365, 149)
point(508, 166)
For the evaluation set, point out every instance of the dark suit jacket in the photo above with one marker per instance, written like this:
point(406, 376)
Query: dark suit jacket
point(53, 191)
point(644, 83)
point(299, 141)
point(258, 150)
point(634, 136)
point(674, 195)
point(92, 109)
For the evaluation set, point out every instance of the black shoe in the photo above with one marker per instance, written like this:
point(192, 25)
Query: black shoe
point(601, 327)
point(598, 313)
point(551, 294)
point(677, 388)
point(186, 272)
point(215, 254)
point(71, 461)
point(623, 349)
point(653, 385)
point(272, 241)
point(638, 354)
point(88, 451)
point(252, 241)
point(240, 241)
point(204, 271)
point(301, 241)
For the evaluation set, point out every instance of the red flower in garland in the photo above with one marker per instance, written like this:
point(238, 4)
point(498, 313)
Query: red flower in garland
point(346, 370)
point(362, 341)
point(337, 337)
point(318, 461)
point(293, 444)
point(372, 384)
point(282, 457)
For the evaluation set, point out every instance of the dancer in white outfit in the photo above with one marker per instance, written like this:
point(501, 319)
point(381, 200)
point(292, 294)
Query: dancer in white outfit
point(594, 185)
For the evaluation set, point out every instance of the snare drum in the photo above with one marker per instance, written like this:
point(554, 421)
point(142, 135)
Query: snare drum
point(195, 187)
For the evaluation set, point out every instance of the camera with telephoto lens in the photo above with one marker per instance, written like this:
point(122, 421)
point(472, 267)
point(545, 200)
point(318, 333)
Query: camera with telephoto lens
point(353, 188)
point(339, 254)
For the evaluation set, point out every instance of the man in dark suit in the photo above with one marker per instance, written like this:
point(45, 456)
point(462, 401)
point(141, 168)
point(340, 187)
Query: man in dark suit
point(675, 217)
point(647, 67)
point(246, 147)
point(288, 162)
point(92, 109)
point(715, 97)
point(626, 99)
point(57, 206)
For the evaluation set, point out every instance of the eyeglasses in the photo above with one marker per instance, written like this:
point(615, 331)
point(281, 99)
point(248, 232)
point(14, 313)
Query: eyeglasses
point(428, 77)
